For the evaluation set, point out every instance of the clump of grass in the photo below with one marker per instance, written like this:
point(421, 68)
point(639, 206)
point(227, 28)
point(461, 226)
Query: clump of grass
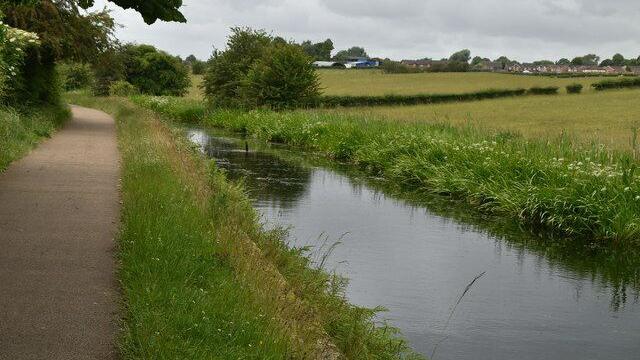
point(587, 193)
point(202, 279)
point(22, 129)
point(574, 88)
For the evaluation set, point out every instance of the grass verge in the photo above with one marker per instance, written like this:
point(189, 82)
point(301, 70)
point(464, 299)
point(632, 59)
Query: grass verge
point(200, 276)
point(21, 130)
point(588, 193)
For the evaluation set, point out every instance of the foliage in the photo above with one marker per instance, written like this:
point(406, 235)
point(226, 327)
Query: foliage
point(386, 100)
point(108, 68)
point(151, 10)
point(154, 72)
point(353, 52)
point(563, 61)
point(590, 60)
point(318, 51)
point(462, 56)
point(396, 67)
point(587, 194)
point(259, 70)
point(198, 67)
point(548, 90)
point(75, 76)
point(283, 78)
point(228, 69)
point(574, 88)
point(21, 130)
point(122, 88)
point(65, 33)
point(628, 82)
point(13, 46)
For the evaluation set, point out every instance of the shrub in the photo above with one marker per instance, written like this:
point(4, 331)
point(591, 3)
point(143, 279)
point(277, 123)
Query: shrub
point(155, 72)
point(629, 82)
point(75, 76)
point(549, 90)
point(122, 88)
point(14, 45)
point(574, 88)
point(282, 78)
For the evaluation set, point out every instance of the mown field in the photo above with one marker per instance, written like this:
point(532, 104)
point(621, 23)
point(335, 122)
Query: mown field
point(373, 82)
point(604, 117)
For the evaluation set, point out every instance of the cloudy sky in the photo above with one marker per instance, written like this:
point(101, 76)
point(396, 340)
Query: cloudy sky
point(403, 29)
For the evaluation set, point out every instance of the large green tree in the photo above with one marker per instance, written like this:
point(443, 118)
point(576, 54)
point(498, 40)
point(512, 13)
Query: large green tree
point(318, 51)
point(353, 52)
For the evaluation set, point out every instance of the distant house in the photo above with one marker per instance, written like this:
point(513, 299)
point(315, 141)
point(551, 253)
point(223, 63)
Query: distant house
point(424, 64)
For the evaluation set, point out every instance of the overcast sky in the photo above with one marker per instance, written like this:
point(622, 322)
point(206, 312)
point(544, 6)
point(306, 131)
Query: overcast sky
point(525, 30)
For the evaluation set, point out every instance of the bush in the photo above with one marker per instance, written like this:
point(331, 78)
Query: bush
point(155, 72)
point(122, 88)
point(574, 88)
point(549, 90)
point(282, 79)
point(75, 76)
point(629, 82)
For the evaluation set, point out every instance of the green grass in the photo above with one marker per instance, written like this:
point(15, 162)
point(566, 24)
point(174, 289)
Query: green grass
point(373, 82)
point(201, 278)
point(601, 117)
point(586, 193)
point(21, 130)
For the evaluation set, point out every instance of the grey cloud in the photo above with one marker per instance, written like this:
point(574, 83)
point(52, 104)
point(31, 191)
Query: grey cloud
point(526, 30)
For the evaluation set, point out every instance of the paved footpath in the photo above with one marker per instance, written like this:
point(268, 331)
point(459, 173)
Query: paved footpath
point(59, 212)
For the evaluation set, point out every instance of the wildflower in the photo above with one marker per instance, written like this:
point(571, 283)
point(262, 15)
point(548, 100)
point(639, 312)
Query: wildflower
point(627, 189)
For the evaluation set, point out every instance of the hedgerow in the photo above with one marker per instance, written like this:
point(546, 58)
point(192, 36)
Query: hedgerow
point(548, 90)
point(627, 82)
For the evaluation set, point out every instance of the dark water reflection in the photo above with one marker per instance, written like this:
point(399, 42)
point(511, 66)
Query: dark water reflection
point(536, 301)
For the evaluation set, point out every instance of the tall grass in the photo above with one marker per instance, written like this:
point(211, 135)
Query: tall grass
point(587, 193)
point(202, 279)
point(21, 130)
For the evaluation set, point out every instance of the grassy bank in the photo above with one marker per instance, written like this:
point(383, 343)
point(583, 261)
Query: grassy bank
point(21, 130)
point(587, 193)
point(201, 278)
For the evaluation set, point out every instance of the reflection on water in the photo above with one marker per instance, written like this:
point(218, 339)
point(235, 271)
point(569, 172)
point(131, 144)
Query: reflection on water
point(535, 301)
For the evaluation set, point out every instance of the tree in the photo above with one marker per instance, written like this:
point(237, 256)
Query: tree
point(64, 33)
point(318, 51)
point(151, 10)
point(154, 72)
point(462, 56)
point(226, 71)
point(477, 60)
point(618, 60)
point(504, 61)
point(353, 52)
point(282, 78)
point(563, 61)
point(589, 60)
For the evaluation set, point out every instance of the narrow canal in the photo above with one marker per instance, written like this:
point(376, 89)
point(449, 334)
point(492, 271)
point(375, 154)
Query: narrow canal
point(529, 301)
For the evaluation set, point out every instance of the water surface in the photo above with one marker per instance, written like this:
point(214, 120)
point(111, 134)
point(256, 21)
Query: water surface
point(533, 301)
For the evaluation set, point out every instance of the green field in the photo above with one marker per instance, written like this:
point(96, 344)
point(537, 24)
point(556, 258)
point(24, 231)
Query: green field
point(604, 117)
point(373, 82)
